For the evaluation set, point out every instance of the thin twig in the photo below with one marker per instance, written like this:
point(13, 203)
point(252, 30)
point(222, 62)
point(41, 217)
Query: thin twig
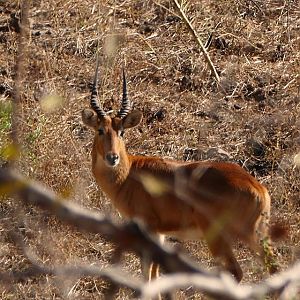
point(198, 40)
point(112, 274)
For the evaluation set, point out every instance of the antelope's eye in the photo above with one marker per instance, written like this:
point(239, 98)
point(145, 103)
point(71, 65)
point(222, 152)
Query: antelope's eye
point(121, 133)
point(101, 131)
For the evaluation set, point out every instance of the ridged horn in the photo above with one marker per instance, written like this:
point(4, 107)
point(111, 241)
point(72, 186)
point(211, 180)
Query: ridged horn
point(94, 97)
point(125, 105)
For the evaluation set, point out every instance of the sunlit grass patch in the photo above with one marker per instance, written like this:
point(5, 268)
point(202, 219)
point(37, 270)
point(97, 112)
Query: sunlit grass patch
point(7, 151)
point(5, 116)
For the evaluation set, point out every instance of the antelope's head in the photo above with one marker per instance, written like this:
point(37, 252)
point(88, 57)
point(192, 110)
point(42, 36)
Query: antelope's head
point(109, 130)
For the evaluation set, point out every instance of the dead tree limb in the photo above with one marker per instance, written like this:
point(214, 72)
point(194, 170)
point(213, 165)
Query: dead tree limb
point(129, 236)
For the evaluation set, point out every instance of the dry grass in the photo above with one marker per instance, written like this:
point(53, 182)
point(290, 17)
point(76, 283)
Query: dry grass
point(254, 117)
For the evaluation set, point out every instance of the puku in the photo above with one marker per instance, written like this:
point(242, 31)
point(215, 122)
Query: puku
point(217, 201)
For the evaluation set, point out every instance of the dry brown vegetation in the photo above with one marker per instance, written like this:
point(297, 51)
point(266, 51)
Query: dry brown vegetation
point(252, 118)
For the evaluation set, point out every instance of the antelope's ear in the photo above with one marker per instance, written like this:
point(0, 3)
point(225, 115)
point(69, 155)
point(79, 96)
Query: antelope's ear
point(132, 119)
point(90, 118)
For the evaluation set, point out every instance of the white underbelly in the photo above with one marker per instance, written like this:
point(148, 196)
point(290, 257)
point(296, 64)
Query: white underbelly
point(189, 234)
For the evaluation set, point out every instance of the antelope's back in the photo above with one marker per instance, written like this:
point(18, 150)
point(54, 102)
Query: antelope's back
point(185, 197)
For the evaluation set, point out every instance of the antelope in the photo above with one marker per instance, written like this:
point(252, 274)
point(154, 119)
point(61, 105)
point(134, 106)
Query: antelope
point(217, 201)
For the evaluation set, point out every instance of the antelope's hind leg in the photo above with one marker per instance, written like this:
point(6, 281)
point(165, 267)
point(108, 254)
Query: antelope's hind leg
point(222, 250)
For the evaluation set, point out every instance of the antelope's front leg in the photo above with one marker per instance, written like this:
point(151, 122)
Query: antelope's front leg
point(150, 270)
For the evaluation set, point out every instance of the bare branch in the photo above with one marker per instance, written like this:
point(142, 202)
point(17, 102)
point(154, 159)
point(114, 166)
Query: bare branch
point(132, 237)
point(224, 287)
point(198, 40)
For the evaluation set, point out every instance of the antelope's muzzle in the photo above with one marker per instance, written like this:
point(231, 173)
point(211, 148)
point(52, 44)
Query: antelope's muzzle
point(112, 159)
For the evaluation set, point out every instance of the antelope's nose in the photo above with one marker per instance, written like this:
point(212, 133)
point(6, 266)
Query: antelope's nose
point(112, 159)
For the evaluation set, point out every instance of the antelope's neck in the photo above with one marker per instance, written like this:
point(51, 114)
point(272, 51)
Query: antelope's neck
point(110, 179)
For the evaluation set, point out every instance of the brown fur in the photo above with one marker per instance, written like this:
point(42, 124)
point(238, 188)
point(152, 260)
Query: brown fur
point(218, 201)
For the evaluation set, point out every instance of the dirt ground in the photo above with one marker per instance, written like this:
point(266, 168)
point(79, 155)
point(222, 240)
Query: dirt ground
point(251, 118)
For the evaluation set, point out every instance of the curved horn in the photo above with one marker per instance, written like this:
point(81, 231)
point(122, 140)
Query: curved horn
point(94, 97)
point(125, 106)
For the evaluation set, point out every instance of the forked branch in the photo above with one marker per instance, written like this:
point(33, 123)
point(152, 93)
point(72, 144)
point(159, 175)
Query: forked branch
point(128, 237)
